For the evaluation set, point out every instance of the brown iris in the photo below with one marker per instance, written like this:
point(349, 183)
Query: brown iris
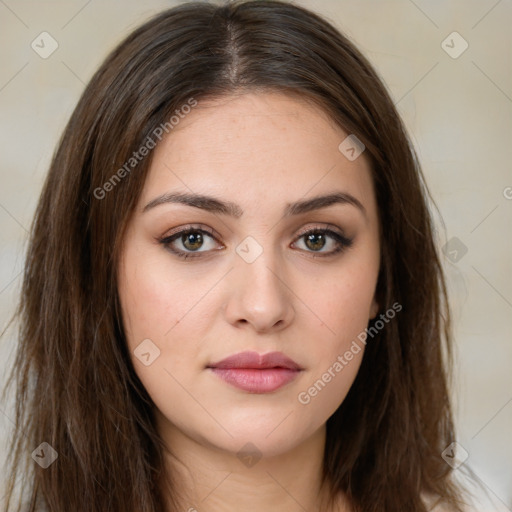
point(315, 241)
point(192, 241)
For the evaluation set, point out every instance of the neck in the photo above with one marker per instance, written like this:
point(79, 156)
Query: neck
point(209, 479)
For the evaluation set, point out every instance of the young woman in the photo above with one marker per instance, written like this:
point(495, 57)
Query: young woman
point(232, 297)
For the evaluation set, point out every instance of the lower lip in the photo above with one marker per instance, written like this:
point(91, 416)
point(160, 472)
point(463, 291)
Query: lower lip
point(254, 380)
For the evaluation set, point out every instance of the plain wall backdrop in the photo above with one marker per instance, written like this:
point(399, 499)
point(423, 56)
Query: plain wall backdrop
point(448, 66)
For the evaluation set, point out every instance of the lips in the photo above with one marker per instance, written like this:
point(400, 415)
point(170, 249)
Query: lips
point(256, 373)
point(253, 360)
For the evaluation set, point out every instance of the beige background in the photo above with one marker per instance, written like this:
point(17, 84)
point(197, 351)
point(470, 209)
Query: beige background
point(458, 111)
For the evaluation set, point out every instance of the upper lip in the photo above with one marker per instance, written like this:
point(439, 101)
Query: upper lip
point(253, 360)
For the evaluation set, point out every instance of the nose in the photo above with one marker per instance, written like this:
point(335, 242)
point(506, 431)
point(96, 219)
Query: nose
point(259, 295)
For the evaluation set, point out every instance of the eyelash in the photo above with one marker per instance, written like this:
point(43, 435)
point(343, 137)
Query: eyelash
point(342, 241)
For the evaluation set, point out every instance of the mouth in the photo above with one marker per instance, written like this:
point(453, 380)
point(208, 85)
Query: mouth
point(256, 373)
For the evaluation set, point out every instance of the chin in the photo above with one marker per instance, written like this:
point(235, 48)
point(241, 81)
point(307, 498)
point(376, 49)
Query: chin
point(269, 438)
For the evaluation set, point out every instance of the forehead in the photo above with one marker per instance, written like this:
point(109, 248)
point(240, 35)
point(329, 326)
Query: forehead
point(256, 147)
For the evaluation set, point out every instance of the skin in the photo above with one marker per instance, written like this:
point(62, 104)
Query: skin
point(260, 151)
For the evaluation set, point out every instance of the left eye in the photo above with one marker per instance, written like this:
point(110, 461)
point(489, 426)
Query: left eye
point(324, 241)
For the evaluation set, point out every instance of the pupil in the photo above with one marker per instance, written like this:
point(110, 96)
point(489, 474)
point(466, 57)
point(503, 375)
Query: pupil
point(192, 241)
point(317, 241)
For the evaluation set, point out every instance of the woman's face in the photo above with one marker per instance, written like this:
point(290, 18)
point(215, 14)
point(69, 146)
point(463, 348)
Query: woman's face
point(267, 267)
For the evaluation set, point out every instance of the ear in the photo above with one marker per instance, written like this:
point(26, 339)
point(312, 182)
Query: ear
point(374, 308)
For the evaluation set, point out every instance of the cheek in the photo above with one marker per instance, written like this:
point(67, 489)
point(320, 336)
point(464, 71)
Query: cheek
point(154, 298)
point(344, 309)
point(343, 305)
point(337, 354)
point(327, 389)
point(172, 309)
point(157, 309)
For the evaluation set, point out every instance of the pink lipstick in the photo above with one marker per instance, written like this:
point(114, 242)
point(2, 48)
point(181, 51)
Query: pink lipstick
point(256, 373)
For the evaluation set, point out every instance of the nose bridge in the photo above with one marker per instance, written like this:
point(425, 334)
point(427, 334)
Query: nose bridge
point(257, 293)
point(261, 274)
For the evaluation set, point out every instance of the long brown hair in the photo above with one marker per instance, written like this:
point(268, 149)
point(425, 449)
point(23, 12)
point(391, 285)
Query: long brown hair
point(76, 387)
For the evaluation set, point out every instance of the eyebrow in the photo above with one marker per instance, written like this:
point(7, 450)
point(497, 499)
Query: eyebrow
point(214, 205)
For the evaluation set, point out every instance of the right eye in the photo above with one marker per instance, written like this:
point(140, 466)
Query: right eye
point(189, 242)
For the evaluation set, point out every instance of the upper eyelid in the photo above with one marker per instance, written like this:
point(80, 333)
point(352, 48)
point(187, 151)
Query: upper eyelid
point(191, 228)
point(324, 226)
